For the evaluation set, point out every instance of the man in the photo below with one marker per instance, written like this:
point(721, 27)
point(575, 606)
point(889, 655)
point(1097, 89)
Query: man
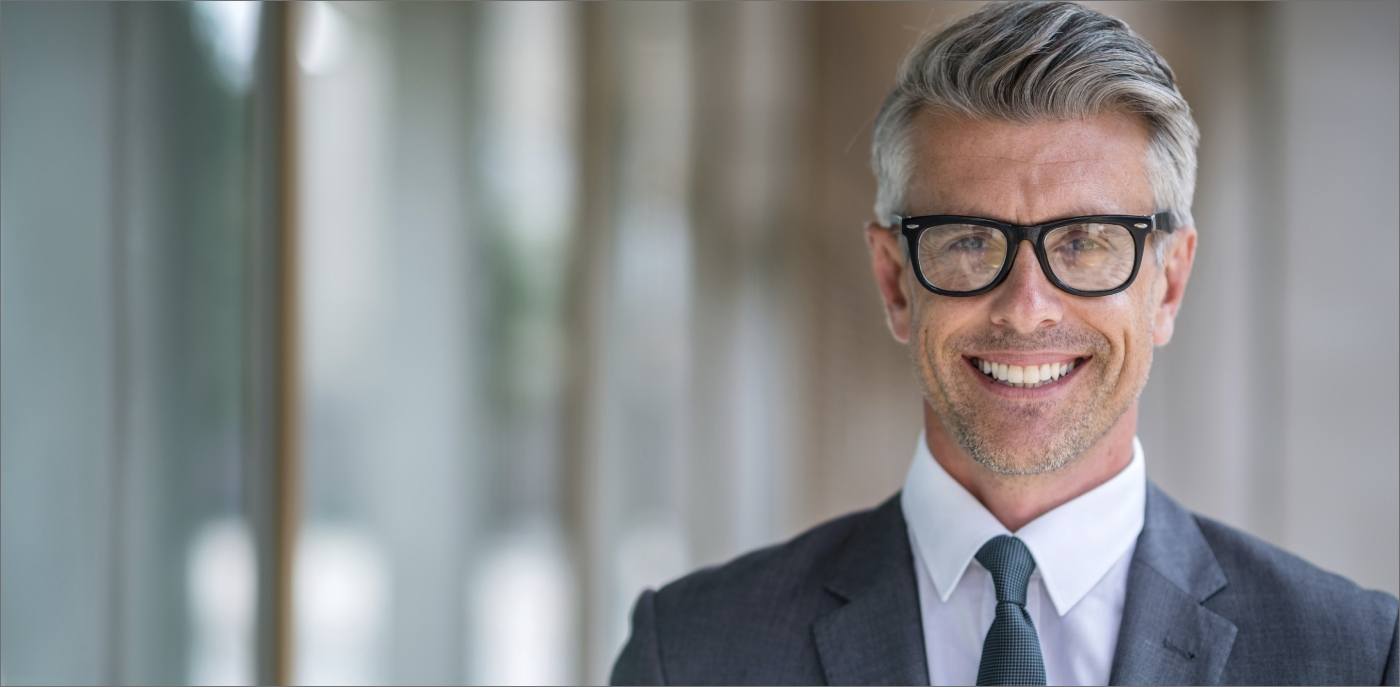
point(1032, 244)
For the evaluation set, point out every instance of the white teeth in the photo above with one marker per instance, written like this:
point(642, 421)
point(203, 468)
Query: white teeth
point(1027, 376)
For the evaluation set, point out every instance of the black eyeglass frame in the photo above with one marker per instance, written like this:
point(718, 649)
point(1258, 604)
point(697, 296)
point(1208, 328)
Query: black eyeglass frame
point(1139, 226)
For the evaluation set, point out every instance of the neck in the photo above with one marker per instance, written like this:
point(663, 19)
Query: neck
point(1015, 500)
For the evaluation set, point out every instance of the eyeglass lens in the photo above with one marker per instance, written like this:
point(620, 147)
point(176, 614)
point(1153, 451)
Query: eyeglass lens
point(1084, 256)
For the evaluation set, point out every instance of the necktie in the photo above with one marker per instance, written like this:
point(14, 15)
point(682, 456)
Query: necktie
point(1011, 653)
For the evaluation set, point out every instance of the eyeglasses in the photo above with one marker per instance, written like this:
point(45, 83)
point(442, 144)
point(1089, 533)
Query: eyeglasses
point(1095, 255)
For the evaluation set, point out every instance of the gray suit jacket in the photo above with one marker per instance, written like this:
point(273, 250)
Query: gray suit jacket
point(1206, 604)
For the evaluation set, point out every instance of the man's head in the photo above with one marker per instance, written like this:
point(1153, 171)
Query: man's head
point(1025, 114)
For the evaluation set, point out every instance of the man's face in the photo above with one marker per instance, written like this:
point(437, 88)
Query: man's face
point(1030, 174)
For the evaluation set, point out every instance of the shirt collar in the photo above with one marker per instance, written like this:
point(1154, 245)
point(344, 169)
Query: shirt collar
point(1074, 545)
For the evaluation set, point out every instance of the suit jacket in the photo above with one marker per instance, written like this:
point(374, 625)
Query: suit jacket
point(1206, 604)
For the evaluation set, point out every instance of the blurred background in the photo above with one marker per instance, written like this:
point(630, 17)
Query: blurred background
point(352, 343)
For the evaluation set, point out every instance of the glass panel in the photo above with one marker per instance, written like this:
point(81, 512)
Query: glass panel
point(127, 140)
point(521, 581)
point(436, 147)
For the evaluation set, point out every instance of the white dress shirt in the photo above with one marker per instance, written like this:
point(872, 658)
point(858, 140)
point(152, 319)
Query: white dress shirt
point(1082, 551)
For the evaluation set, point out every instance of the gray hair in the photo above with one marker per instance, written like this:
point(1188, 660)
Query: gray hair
point(1029, 61)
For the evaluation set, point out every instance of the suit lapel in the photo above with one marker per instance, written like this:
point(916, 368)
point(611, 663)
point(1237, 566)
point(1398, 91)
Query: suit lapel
point(877, 636)
point(1167, 635)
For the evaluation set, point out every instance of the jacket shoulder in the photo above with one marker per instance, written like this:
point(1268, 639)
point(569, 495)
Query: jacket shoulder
point(749, 620)
point(1287, 608)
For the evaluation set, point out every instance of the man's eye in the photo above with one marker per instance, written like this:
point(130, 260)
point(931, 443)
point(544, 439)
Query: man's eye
point(1084, 245)
point(969, 244)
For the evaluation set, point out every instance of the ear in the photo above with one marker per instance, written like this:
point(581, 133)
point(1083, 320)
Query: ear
point(1176, 270)
point(887, 263)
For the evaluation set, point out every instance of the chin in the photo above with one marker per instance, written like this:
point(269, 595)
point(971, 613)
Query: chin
point(1011, 465)
point(1023, 446)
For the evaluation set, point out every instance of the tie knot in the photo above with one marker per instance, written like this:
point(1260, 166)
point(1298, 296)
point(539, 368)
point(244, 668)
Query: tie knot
point(1011, 565)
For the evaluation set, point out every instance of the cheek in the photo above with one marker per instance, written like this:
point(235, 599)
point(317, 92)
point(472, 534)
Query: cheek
point(1136, 343)
point(923, 338)
point(1127, 323)
point(932, 324)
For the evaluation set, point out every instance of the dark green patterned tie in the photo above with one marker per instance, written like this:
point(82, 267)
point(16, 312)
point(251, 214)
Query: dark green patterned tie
point(1011, 654)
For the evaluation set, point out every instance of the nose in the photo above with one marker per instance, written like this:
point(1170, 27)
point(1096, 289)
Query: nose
point(1026, 301)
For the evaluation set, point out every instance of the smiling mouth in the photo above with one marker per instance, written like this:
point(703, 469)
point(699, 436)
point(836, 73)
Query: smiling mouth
point(1025, 376)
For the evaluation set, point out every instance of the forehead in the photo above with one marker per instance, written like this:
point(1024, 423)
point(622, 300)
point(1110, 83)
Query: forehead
point(1029, 172)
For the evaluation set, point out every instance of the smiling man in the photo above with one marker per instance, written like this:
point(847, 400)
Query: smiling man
point(1032, 244)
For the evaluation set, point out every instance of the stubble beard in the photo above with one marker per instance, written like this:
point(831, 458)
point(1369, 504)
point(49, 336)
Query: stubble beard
point(994, 434)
